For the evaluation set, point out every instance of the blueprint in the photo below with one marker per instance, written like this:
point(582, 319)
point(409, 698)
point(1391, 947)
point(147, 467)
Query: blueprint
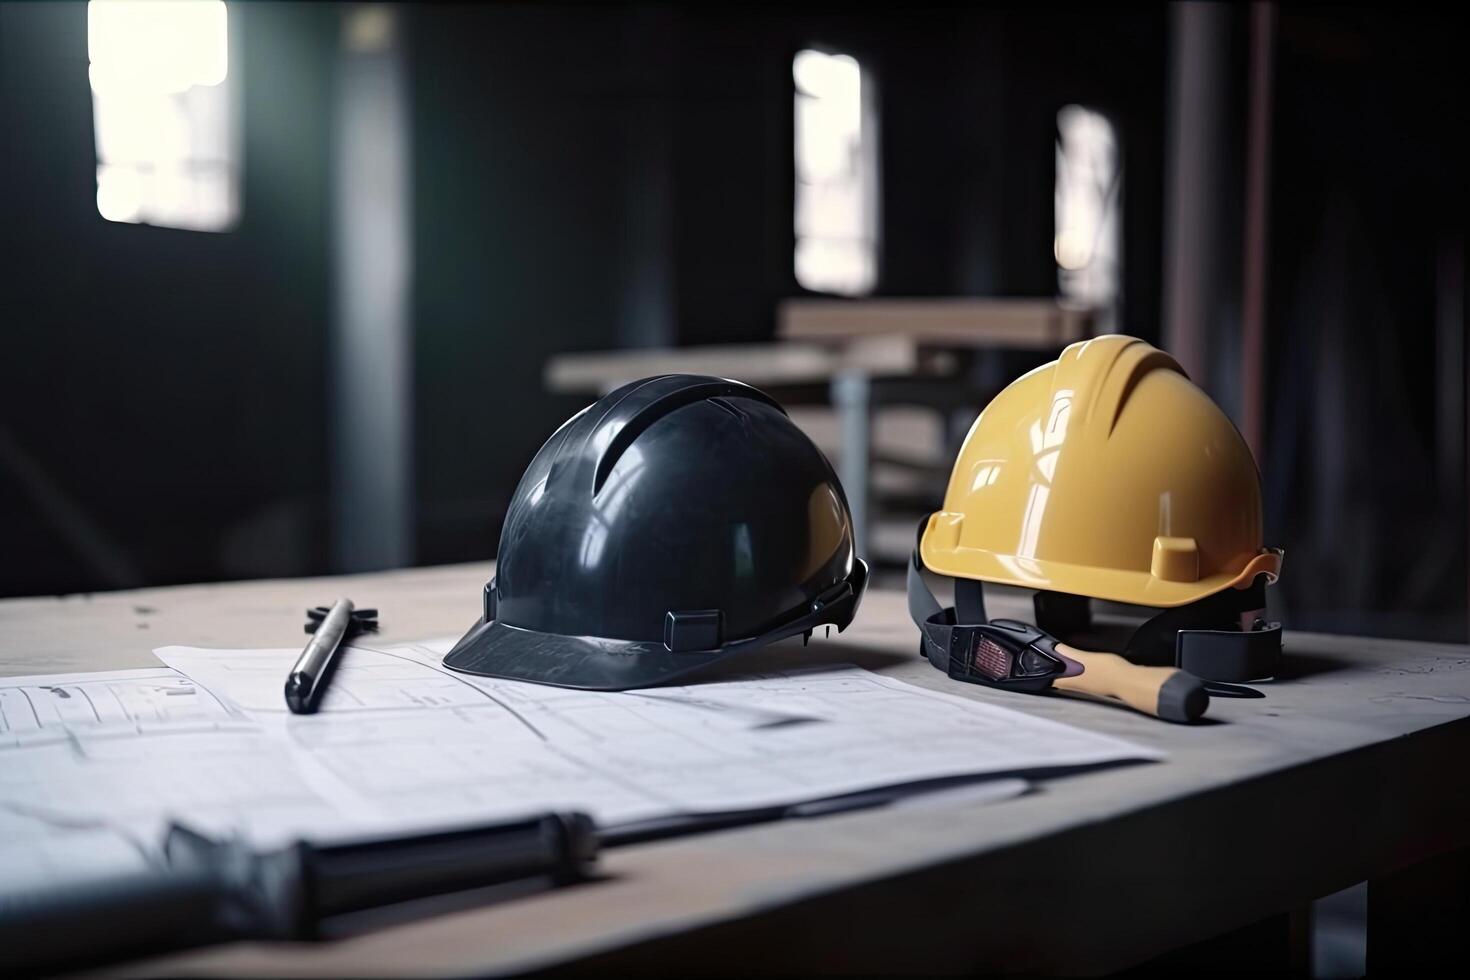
point(35, 710)
point(104, 761)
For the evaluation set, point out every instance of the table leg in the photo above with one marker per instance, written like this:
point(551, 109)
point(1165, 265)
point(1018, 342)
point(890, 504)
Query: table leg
point(852, 396)
point(1416, 917)
point(1278, 944)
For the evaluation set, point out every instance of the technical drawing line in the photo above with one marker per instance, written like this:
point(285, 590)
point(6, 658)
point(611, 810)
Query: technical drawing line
point(34, 713)
point(96, 713)
point(513, 712)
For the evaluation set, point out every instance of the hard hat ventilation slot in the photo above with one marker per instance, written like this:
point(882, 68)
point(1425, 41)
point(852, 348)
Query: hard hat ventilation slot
point(726, 405)
point(647, 414)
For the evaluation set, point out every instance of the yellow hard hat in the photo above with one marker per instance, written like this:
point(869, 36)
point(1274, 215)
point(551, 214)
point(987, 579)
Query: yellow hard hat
point(1107, 474)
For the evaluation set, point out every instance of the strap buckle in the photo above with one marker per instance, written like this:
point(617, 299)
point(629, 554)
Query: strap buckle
point(1230, 655)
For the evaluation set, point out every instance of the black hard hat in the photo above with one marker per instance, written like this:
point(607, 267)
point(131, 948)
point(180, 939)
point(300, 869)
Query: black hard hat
point(677, 521)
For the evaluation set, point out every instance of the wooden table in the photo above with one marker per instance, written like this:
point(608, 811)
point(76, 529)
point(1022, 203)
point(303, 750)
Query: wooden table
point(1352, 770)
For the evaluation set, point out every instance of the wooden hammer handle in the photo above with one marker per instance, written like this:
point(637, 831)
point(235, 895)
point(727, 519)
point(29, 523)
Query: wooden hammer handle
point(1164, 692)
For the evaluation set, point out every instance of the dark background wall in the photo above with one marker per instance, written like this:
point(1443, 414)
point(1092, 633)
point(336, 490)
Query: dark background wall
point(160, 415)
point(595, 176)
point(1366, 438)
point(518, 171)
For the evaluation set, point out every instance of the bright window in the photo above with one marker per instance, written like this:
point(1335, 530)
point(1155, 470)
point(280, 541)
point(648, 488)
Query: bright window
point(1089, 212)
point(162, 112)
point(836, 176)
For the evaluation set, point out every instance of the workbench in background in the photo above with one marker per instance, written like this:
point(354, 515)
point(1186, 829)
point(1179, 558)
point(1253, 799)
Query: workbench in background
point(864, 354)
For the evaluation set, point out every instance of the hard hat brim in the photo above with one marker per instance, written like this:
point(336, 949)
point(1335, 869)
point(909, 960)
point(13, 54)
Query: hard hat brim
point(1135, 588)
point(587, 663)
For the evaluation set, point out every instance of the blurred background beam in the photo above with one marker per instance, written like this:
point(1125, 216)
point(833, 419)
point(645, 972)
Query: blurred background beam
point(371, 354)
point(1196, 170)
point(1257, 228)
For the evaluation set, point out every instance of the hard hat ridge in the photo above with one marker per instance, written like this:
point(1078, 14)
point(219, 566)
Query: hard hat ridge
point(1108, 368)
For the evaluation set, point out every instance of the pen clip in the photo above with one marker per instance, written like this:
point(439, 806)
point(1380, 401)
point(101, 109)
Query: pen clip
point(363, 620)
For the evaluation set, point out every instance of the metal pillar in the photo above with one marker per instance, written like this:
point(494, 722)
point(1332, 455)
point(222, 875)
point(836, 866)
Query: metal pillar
point(371, 356)
point(1199, 36)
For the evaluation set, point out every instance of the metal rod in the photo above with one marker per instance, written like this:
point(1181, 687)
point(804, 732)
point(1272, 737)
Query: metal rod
point(1199, 36)
point(852, 395)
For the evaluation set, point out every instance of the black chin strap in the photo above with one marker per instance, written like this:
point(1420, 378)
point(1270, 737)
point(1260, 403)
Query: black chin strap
point(943, 628)
point(1222, 637)
point(936, 624)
